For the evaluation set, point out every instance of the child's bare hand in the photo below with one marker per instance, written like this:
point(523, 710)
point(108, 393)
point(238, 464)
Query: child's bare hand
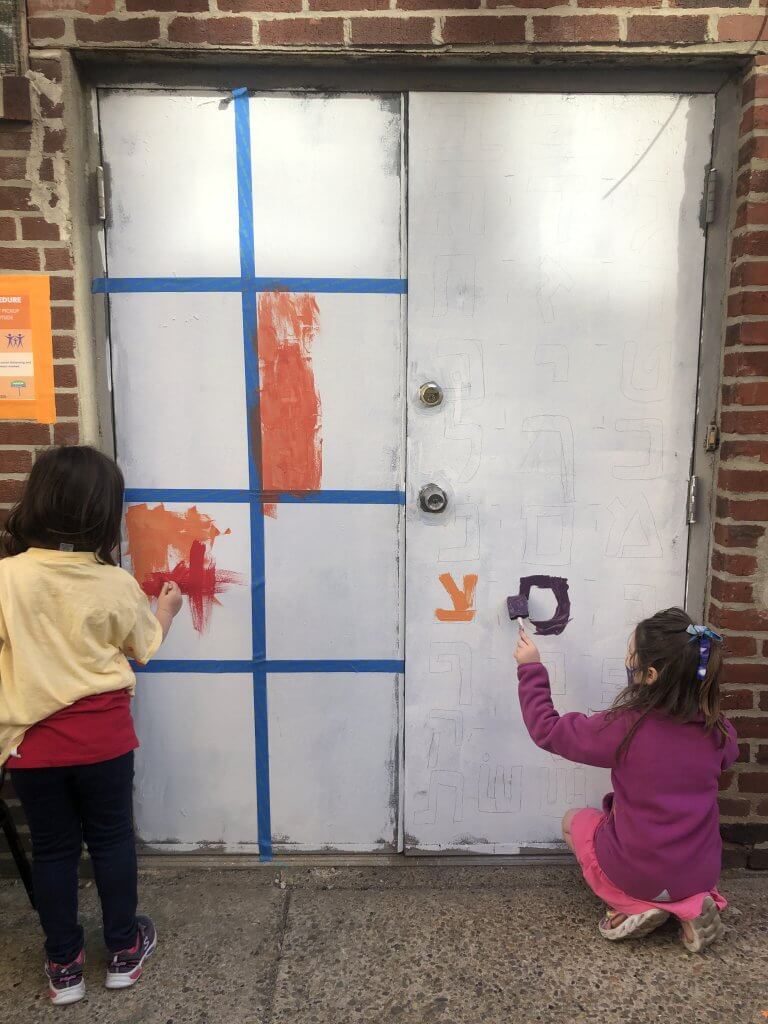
point(526, 652)
point(170, 599)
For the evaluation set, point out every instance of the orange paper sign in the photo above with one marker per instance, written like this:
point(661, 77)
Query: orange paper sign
point(26, 349)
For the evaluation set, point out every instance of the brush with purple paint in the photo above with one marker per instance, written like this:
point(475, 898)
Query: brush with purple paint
point(517, 607)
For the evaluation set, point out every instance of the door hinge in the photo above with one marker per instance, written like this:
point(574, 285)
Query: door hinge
point(712, 438)
point(710, 196)
point(692, 507)
point(101, 194)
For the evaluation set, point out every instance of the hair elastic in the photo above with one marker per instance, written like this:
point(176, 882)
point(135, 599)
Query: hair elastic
point(706, 637)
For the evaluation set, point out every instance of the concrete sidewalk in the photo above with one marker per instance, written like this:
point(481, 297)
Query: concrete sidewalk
point(410, 944)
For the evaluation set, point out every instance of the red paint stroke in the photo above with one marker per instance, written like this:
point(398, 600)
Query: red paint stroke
point(289, 409)
point(199, 580)
point(159, 538)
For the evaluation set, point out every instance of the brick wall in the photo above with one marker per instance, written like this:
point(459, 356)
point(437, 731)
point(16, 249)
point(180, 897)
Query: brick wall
point(36, 230)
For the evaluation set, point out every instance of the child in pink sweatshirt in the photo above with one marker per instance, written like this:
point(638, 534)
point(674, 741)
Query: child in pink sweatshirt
point(655, 848)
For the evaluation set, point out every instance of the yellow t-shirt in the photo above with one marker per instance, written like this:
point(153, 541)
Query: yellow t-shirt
point(68, 625)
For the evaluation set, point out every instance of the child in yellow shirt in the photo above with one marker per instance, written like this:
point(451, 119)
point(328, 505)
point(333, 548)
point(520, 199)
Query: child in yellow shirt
point(70, 619)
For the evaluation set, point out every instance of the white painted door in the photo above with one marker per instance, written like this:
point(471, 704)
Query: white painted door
point(555, 274)
point(255, 288)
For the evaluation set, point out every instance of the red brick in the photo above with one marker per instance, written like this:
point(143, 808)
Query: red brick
point(37, 229)
point(63, 347)
point(746, 364)
point(66, 405)
point(763, 701)
point(753, 243)
point(7, 229)
point(731, 808)
point(750, 274)
point(748, 304)
point(50, 108)
point(743, 481)
point(62, 318)
point(755, 148)
point(82, 6)
point(738, 536)
point(686, 28)
point(752, 180)
point(19, 259)
point(734, 856)
point(725, 781)
point(737, 700)
point(24, 433)
point(58, 259)
point(114, 30)
point(747, 334)
point(13, 168)
point(740, 646)
point(53, 140)
point(11, 491)
point(755, 87)
point(740, 619)
point(752, 393)
point(65, 375)
point(392, 31)
point(466, 5)
point(739, 28)
point(168, 6)
point(267, 6)
point(302, 32)
point(751, 727)
point(523, 4)
point(584, 28)
point(744, 755)
point(15, 461)
point(15, 139)
point(752, 673)
point(752, 213)
point(750, 511)
point(727, 590)
point(761, 754)
point(13, 197)
point(43, 30)
point(765, 648)
point(66, 433)
point(48, 67)
point(62, 288)
point(619, 3)
point(758, 859)
point(735, 565)
point(45, 172)
point(753, 782)
point(755, 117)
point(211, 31)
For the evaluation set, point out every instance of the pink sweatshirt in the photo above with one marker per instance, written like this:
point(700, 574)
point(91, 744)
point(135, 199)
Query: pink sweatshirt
point(660, 838)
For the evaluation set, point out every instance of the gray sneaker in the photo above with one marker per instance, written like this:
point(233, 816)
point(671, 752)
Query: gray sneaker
point(126, 966)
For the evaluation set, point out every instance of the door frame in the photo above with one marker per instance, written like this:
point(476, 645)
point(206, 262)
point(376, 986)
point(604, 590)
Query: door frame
point(303, 76)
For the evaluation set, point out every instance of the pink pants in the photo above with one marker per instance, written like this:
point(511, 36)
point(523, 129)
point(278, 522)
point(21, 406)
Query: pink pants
point(584, 824)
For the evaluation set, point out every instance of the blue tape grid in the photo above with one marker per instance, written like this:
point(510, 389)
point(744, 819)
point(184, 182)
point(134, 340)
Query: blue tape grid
point(249, 285)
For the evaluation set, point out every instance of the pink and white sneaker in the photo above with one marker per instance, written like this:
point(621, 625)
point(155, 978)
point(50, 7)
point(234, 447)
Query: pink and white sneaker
point(126, 966)
point(65, 981)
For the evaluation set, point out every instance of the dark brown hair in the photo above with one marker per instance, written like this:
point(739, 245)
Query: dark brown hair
point(74, 495)
point(662, 643)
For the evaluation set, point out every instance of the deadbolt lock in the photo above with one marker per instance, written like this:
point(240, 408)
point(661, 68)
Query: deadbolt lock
point(430, 394)
point(433, 498)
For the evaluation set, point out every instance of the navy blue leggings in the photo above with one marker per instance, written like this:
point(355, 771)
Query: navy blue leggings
point(64, 806)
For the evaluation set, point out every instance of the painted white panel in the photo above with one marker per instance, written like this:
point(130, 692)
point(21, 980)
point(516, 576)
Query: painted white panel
point(555, 269)
point(326, 184)
point(195, 769)
point(358, 361)
point(180, 412)
point(348, 723)
point(332, 581)
point(228, 632)
point(172, 184)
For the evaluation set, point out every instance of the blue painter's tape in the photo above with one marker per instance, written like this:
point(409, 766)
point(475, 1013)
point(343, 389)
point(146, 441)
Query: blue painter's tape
point(244, 496)
point(234, 666)
point(183, 494)
point(261, 730)
point(340, 665)
point(248, 283)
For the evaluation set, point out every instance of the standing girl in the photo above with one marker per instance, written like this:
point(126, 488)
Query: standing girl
point(655, 848)
point(70, 619)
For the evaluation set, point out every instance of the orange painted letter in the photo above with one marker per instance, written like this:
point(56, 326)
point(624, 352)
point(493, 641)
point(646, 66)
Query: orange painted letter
point(463, 600)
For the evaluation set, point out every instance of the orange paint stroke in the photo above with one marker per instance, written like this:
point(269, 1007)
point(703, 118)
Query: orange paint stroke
point(166, 545)
point(463, 600)
point(291, 445)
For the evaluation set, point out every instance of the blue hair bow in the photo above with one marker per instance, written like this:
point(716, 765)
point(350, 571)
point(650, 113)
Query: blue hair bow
point(705, 637)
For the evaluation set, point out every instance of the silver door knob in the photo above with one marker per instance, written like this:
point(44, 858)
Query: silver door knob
point(430, 394)
point(433, 498)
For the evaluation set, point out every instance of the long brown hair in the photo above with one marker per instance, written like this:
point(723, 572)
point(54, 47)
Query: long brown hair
point(74, 496)
point(663, 644)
